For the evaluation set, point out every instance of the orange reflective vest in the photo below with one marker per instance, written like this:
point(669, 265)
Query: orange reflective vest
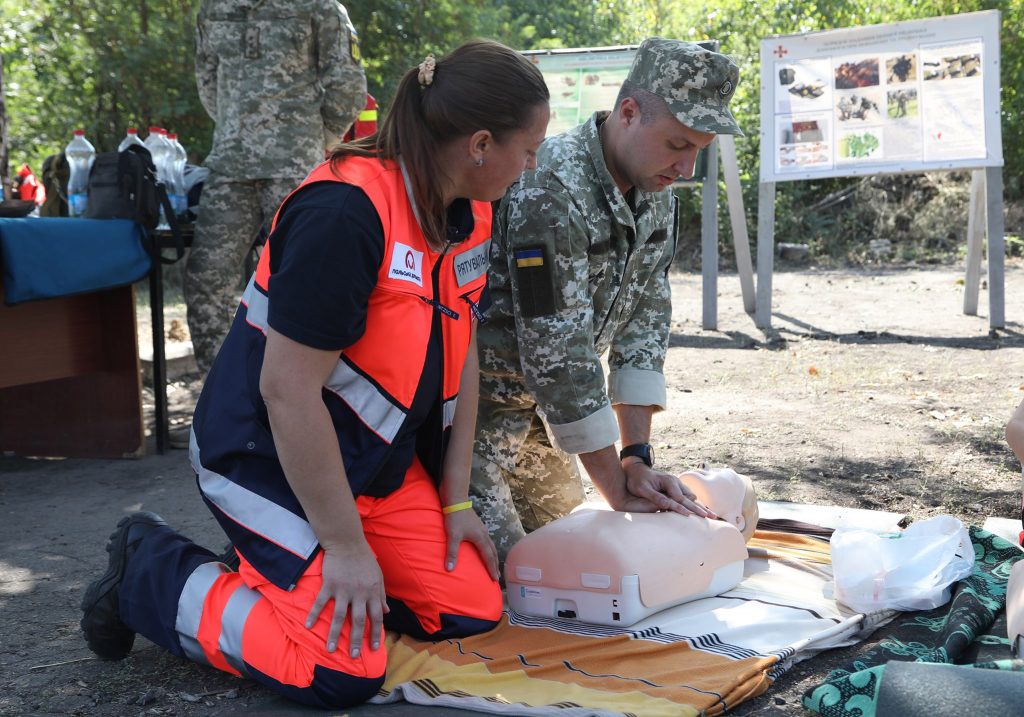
point(368, 394)
point(393, 348)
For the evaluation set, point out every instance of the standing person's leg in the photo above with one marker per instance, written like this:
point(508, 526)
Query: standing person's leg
point(178, 595)
point(272, 192)
point(228, 219)
point(406, 531)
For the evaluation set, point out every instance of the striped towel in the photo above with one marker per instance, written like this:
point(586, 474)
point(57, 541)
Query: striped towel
point(704, 657)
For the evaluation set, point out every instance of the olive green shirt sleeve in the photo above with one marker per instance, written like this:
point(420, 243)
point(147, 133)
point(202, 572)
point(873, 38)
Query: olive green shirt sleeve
point(546, 246)
point(339, 69)
point(636, 358)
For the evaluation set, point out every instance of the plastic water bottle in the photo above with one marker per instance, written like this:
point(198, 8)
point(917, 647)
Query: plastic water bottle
point(80, 155)
point(176, 175)
point(132, 137)
point(159, 150)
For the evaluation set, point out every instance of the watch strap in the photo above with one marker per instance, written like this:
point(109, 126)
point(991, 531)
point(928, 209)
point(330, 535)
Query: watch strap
point(643, 451)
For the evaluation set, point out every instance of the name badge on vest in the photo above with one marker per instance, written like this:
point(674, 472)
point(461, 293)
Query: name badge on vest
point(472, 263)
point(406, 264)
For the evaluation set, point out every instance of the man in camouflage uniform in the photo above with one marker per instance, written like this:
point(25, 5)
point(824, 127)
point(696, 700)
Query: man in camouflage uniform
point(282, 81)
point(579, 266)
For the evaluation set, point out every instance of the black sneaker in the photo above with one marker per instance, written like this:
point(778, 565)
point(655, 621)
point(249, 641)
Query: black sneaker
point(106, 635)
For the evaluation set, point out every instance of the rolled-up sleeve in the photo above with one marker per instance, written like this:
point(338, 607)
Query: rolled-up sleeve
point(546, 246)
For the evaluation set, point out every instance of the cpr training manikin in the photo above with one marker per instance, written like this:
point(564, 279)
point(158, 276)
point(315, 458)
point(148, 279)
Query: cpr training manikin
point(610, 567)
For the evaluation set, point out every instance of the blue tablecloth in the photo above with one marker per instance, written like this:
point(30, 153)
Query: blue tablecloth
point(47, 257)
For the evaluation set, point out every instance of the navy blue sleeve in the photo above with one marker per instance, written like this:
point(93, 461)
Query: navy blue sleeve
point(325, 254)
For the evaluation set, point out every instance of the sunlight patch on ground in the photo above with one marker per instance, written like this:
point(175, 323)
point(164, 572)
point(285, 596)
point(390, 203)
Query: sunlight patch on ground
point(15, 580)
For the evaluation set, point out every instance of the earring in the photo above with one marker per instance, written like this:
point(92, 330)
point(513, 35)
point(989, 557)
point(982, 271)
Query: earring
point(480, 162)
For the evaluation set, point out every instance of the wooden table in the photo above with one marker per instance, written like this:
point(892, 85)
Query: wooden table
point(69, 367)
point(69, 377)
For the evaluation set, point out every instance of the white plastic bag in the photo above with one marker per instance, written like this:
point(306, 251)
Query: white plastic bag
point(912, 570)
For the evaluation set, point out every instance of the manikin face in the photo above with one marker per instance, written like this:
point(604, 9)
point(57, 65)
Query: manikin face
point(655, 154)
point(505, 161)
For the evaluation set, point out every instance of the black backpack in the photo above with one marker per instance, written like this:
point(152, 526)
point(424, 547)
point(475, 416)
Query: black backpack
point(123, 185)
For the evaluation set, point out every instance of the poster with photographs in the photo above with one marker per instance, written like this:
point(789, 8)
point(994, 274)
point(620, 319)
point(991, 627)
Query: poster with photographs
point(581, 82)
point(905, 97)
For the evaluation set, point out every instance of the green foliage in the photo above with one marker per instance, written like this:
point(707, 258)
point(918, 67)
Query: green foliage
point(395, 35)
point(102, 65)
point(105, 64)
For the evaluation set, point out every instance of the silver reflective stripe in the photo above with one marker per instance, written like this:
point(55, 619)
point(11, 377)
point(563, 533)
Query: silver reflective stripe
point(190, 608)
point(373, 408)
point(256, 305)
point(251, 510)
point(448, 411)
point(232, 623)
point(408, 193)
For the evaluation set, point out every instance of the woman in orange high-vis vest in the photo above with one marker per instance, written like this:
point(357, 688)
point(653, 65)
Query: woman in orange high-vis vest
point(332, 438)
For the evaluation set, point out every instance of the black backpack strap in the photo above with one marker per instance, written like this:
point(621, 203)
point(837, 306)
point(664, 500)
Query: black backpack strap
point(179, 241)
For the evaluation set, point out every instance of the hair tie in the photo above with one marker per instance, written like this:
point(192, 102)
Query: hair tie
point(427, 67)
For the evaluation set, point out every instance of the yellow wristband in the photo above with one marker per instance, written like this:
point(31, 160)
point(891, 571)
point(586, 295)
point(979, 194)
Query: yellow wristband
point(456, 507)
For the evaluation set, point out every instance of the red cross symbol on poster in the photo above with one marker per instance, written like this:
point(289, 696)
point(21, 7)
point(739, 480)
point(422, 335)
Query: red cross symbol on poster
point(780, 51)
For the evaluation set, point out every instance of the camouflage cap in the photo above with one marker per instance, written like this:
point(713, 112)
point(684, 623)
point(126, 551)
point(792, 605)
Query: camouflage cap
point(695, 82)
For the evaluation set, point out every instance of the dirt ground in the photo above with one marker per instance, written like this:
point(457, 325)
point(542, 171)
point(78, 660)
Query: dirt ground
point(873, 390)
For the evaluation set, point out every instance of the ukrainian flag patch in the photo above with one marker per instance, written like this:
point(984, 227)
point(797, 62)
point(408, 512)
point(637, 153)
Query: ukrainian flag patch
point(535, 288)
point(529, 257)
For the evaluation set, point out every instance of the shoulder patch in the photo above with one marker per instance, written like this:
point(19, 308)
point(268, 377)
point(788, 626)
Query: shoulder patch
point(535, 286)
point(353, 46)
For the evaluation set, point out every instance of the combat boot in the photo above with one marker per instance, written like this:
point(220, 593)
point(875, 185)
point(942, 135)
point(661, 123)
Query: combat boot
point(104, 632)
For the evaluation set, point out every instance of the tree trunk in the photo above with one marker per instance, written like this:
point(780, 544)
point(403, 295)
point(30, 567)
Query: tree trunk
point(5, 177)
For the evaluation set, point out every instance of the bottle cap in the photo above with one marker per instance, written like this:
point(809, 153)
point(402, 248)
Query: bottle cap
point(172, 135)
point(132, 130)
point(153, 128)
point(79, 132)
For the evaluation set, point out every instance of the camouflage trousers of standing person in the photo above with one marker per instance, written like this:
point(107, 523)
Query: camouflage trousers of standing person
point(231, 212)
point(519, 480)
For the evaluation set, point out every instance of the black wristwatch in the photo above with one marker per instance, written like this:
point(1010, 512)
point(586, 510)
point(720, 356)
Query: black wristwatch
point(643, 451)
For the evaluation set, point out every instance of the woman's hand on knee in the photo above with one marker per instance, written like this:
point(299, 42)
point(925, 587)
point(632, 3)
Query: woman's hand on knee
point(465, 525)
point(352, 579)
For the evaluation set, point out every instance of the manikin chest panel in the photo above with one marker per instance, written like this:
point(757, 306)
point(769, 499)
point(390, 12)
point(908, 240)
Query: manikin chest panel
point(616, 568)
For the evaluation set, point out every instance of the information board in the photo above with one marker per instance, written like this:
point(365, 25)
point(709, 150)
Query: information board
point(904, 97)
point(581, 81)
